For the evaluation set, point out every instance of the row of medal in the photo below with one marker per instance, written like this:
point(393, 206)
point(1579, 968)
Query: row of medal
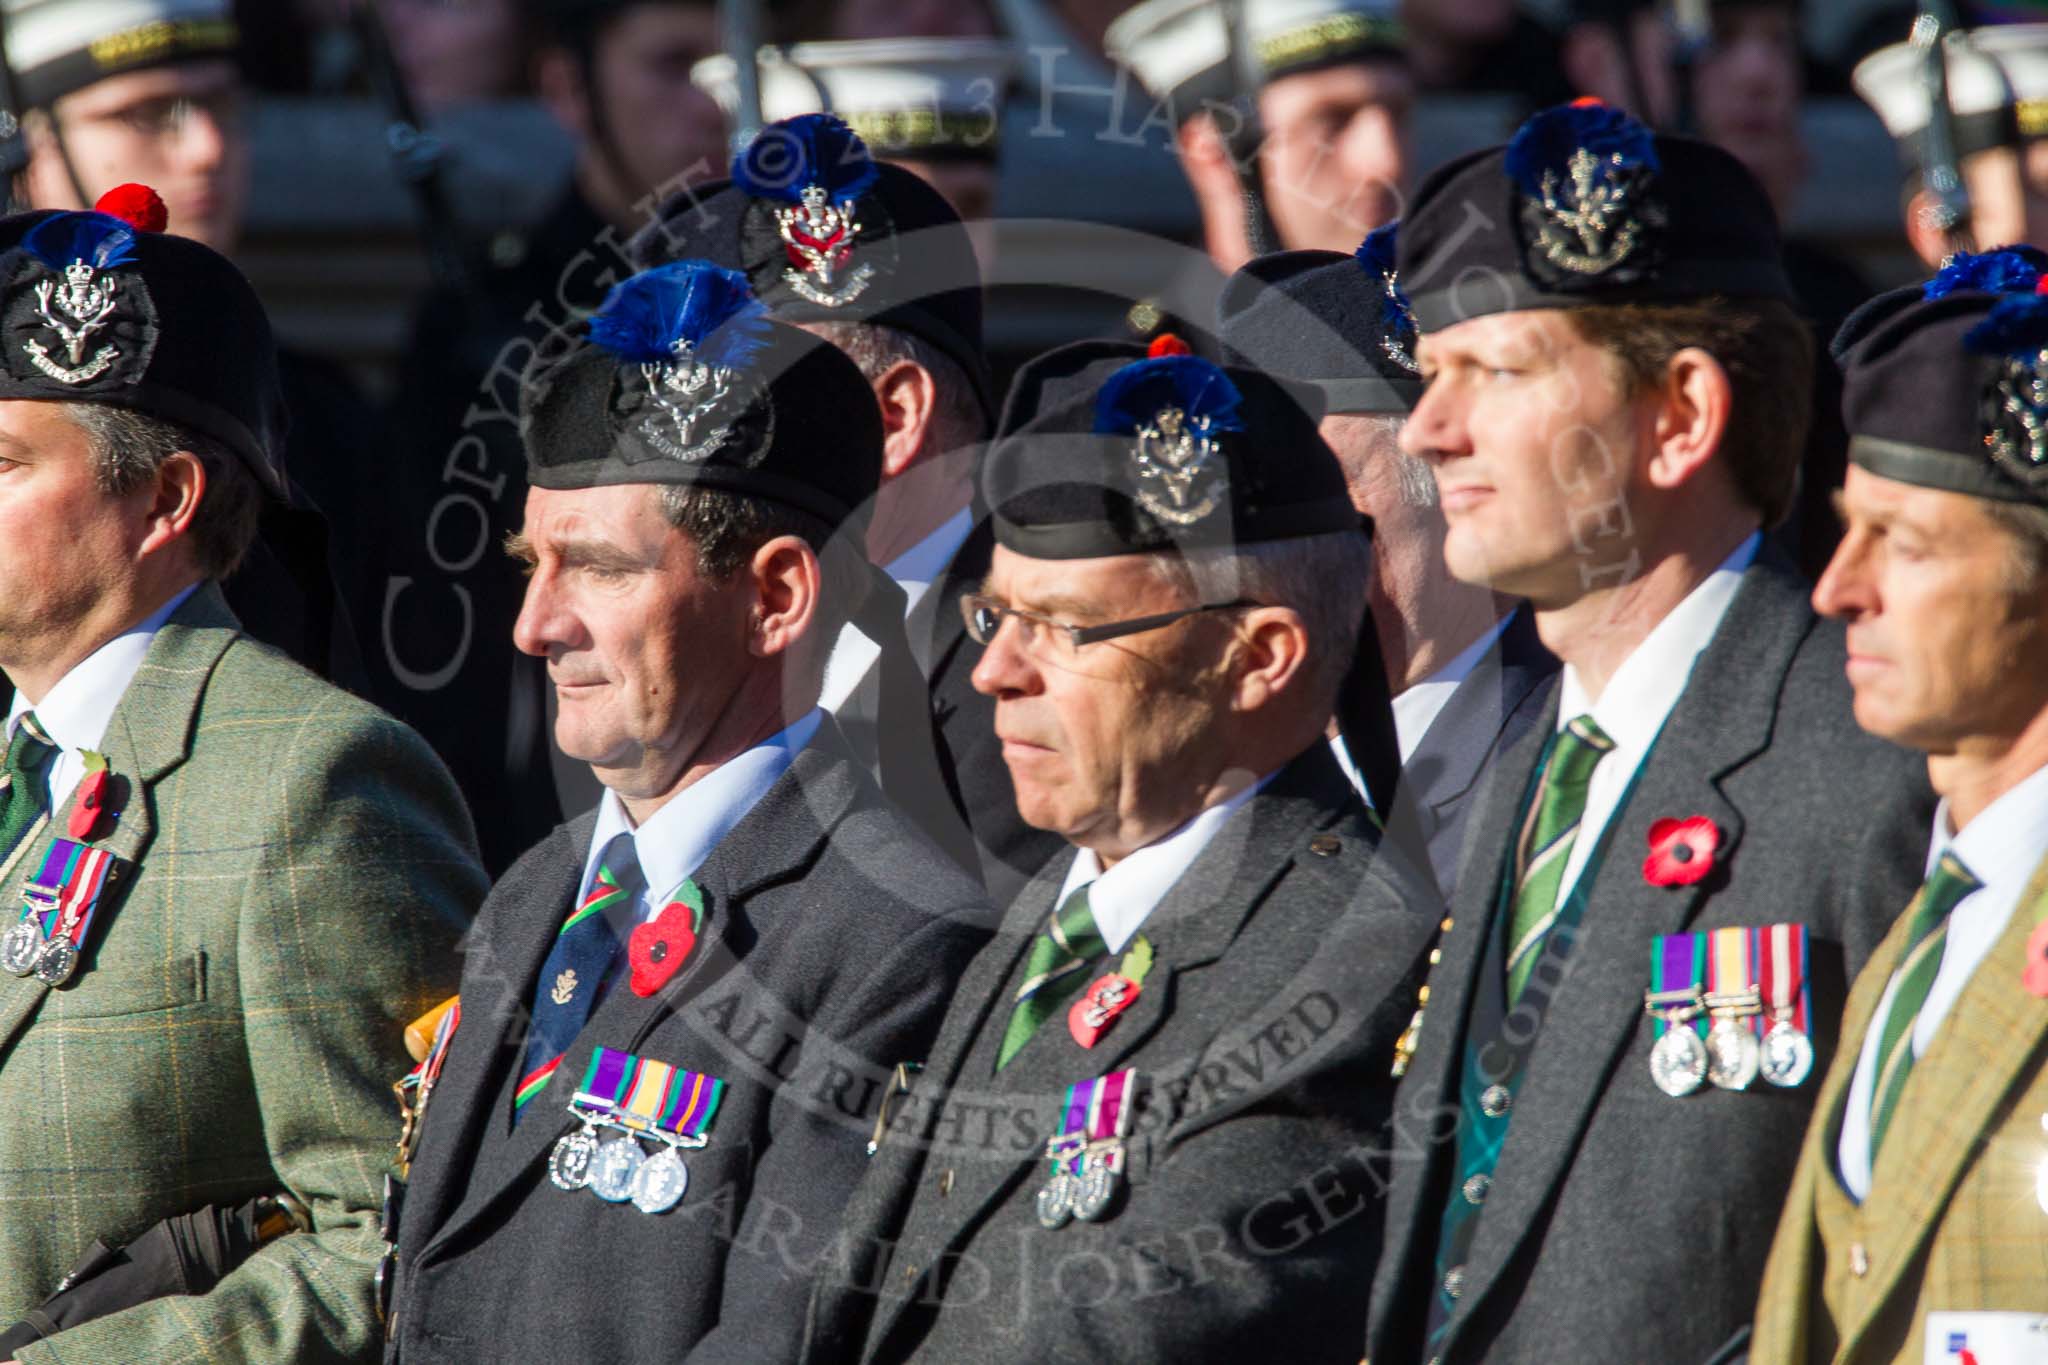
point(57, 908)
point(1087, 1156)
point(635, 1098)
point(1749, 987)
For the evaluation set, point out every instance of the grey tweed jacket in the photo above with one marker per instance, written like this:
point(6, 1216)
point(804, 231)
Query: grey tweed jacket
point(1623, 1225)
point(1286, 960)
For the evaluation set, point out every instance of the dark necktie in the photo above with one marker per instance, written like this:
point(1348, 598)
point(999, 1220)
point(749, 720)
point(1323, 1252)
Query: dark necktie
point(24, 799)
point(579, 967)
point(1926, 934)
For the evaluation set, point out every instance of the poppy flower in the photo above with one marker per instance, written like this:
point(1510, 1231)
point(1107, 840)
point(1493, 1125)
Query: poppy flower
point(1681, 851)
point(655, 950)
point(2035, 979)
point(1089, 1017)
point(95, 796)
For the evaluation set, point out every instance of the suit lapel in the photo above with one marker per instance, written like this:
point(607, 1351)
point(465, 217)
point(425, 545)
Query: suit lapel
point(1723, 717)
point(1992, 1041)
point(149, 734)
point(1455, 747)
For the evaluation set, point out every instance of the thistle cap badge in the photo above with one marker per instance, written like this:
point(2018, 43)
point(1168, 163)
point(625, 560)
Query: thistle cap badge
point(1175, 405)
point(1587, 176)
point(2014, 412)
point(690, 329)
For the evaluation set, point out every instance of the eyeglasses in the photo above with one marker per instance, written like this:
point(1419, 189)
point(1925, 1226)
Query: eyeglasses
point(985, 617)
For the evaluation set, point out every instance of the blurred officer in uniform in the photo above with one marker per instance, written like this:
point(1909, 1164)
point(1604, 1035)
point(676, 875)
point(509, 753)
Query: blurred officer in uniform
point(231, 883)
point(1917, 1227)
point(1464, 666)
point(1666, 892)
point(714, 970)
point(149, 91)
point(1989, 137)
point(1333, 100)
point(1188, 1019)
point(615, 74)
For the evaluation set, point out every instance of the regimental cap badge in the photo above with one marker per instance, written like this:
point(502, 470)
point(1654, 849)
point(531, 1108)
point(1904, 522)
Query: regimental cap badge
point(2014, 407)
point(87, 315)
point(1586, 177)
point(1175, 405)
point(1397, 324)
point(815, 169)
point(687, 332)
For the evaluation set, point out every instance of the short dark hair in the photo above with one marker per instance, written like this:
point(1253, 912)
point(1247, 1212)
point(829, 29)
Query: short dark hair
point(727, 528)
point(1768, 353)
point(129, 447)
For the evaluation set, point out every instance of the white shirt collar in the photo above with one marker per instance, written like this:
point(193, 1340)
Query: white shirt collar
point(75, 712)
point(675, 840)
point(927, 559)
point(1416, 708)
point(2002, 846)
point(1649, 682)
point(1122, 898)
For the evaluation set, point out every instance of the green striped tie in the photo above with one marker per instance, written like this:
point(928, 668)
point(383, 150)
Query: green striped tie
point(1546, 843)
point(23, 798)
point(1926, 933)
point(1056, 969)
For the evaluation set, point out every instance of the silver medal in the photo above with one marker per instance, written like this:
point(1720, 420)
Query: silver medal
point(611, 1172)
point(1056, 1201)
point(659, 1183)
point(1732, 1054)
point(1097, 1188)
point(1788, 1055)
point(569, 1166)
point(57, 961)
point(21, 946)
point(1678, 1061)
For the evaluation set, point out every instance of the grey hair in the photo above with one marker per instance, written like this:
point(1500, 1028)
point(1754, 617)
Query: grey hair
point(2027, 525)
point(956, 418)
point(1414, 479)
point(1322, 578)
point(129, 448)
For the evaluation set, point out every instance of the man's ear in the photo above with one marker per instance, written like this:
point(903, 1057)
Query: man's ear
point(787, 583)
point(1272, 648)
point(1929, 243)
point(1213, 177)
point(908, 396)
point(173, 501)
point(1691, 418)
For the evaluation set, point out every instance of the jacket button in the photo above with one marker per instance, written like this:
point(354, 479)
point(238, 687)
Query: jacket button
point(1859, 1260)
point(1476, 1189)
point(1495, 1101)
point(1326, 845)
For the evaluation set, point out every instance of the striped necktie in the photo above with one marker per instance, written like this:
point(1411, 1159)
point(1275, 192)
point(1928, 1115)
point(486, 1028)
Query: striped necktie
point(579, 967)
point(1546, 843)
point(1056, 969)
point(23, 797)
point(1926, 934)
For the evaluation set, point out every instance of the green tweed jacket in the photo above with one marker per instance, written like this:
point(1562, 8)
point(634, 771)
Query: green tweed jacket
point(299, 867)
point(1955, 1219)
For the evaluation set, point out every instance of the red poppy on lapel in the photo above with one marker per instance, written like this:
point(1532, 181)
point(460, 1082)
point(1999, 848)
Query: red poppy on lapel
point(1681, 851)
point(657, 948)
point(2035, 978)
point(1089, 1017)
point(95, 798)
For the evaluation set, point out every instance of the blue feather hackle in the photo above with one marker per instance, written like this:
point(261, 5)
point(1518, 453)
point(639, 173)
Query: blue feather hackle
point(810, 149)
point(1134, 396)
point(1376, 255)
point(100, 240)
point(714, 310)
point(1546, 143)
point(2008, 270)
point(2017, 327)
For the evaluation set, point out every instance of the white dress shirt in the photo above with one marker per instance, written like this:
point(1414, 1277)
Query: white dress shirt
point(1639, 698)
point(1122, 898)
point(853, 653)
point(1417, 708)
point(2001, 847)
point(75, 713)
point(677, 839)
